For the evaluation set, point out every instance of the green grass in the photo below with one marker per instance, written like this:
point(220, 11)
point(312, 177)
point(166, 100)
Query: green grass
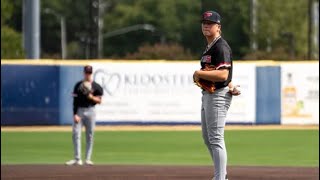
point(265, 148)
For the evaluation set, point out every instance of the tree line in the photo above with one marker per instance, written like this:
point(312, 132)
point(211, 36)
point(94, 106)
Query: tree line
point(173, 28)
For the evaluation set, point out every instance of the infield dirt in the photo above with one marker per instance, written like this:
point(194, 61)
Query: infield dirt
point(139, 172)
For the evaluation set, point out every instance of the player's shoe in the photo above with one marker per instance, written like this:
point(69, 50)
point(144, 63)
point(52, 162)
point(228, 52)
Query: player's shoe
point(225, 179)
point(74, 162)
point(88, 162)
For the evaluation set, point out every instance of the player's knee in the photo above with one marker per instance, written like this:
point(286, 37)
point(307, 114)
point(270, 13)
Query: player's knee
point(90, 135)
point(216, 140)
point(75, 135)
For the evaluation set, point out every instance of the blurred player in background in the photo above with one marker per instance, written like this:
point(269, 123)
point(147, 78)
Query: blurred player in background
point(87, 93)
point(216, 104)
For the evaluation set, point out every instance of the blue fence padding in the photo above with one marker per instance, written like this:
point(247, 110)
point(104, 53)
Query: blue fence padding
point(268, 95)
point(41, 95)
point(29, 95)
point(69, 75)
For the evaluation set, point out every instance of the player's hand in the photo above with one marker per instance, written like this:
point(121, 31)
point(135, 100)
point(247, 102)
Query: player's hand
point(76, 118)
point(235, 91)
point(90, 96)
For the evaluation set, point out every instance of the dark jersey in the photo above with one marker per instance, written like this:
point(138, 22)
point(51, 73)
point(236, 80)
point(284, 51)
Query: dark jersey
point(219, 56)
point(80, 100)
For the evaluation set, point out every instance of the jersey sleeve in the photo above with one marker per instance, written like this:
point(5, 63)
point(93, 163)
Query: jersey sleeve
point(75, 89)
point(223, 57)
point(99, 90)
point(75, 99)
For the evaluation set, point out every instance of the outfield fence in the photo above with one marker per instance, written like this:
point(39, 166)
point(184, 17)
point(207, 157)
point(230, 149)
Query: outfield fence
point(157, 92)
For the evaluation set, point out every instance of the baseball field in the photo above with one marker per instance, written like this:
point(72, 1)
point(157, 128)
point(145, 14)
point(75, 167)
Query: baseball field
point(148, 153)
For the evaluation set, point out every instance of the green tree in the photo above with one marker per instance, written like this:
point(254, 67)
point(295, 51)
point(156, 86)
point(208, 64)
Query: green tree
point(282, 31)
point(285, 25)
point(11, 40)
point(76, 14)
point(175, 21)
point(11, 47)
point(161, 51)
point(6, 10)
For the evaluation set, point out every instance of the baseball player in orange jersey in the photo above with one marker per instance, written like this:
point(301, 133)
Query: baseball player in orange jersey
point(216, 104)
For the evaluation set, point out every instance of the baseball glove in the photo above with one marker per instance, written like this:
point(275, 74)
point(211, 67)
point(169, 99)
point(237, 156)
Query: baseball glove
point(85, 88)
point(205, 84)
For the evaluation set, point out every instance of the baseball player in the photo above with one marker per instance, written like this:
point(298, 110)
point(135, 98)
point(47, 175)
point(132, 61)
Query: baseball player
point(215, 104)
point(87, 93)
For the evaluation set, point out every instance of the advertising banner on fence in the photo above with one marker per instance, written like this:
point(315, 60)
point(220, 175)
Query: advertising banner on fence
point(300, 93)
point(156, 92)
point(243, 107)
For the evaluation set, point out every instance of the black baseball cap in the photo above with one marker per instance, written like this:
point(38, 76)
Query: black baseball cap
point(87, 69)
point(211, 16)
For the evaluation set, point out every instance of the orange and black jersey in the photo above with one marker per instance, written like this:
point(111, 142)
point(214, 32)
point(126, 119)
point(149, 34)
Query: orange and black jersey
point(219, 56)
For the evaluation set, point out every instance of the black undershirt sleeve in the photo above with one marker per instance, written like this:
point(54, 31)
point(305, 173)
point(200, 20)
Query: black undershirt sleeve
point(75, 99)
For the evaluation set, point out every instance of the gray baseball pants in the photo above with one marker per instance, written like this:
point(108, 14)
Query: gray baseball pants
point(213, 118)
point(87, 116)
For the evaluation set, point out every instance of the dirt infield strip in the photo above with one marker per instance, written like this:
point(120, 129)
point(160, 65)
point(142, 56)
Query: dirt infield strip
point(117, 172)
point(160, 128)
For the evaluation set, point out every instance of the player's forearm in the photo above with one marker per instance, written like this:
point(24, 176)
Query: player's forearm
point(214, 76)
point(96, 99)
point(230, 85)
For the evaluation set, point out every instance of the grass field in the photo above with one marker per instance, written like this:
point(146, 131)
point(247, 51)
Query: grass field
point(255, 147)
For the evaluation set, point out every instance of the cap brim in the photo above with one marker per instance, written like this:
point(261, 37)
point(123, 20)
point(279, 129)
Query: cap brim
point(201, 21)
point(88, 72)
